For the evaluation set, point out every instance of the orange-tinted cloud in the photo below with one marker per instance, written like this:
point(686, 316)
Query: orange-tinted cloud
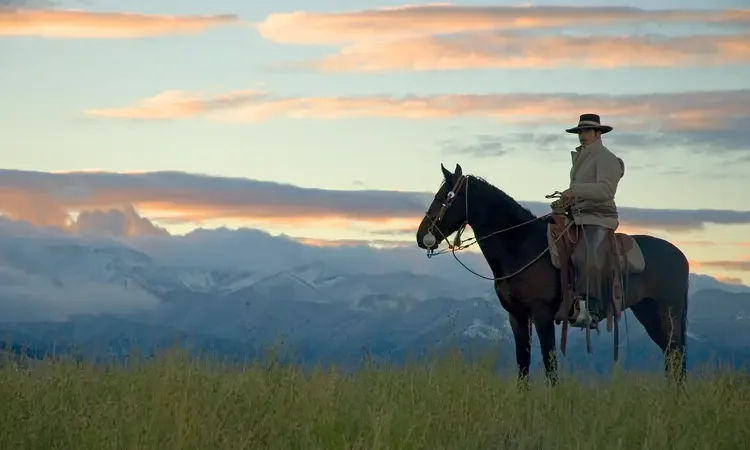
point(423, 20)
point(47, 199)
point(735, 266)
point(486, 50)
point(84, 24)
point(719, 268)
point(52, 199)
point(705, 243)
point(383, 243)
point(180, 105)
point(267, 213)
point(706, 110)
point(43, 208)
point(730, 280)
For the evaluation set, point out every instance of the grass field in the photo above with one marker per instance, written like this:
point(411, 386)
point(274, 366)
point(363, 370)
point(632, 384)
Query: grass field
point(174, 403)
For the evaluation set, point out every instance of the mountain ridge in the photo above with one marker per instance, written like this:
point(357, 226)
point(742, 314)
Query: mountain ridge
point(102, 295)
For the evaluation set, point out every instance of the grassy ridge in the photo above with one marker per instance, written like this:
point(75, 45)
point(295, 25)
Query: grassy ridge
point(174, 403)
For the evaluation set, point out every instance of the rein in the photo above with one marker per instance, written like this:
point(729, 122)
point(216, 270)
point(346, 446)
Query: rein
point(458, 244)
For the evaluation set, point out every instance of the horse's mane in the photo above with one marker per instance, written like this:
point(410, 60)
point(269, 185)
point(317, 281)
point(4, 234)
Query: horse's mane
point(509, 205)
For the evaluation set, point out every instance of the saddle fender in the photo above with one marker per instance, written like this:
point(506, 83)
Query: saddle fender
point(628, 251)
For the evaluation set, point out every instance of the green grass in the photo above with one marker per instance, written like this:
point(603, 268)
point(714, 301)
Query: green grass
point(173, 403)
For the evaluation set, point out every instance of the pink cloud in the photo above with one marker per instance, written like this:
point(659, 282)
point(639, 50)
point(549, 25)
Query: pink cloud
point(706, 243)
point(387, 243)
point(730, 280)
point(488, 50)
point(177, 104)
point(734, 266)
point(674, 111)
point(421, 20)
point(84, 24)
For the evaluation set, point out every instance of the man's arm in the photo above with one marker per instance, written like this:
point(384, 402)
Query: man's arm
point(609, 171)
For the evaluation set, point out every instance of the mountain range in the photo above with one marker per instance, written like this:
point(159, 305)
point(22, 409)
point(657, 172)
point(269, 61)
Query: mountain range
point(104, 298)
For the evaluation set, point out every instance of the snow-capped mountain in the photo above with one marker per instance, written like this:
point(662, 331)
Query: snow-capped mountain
point(104, 297)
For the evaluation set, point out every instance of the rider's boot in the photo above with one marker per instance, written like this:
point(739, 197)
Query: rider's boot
point(587, 317)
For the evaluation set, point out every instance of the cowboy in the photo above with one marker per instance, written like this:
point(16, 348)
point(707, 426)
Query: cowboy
point(594, 177)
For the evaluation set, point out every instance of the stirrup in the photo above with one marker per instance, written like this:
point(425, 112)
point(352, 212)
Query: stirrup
point(584, 318)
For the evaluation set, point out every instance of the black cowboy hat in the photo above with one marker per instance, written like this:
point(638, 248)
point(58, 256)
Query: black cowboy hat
point(588, 121)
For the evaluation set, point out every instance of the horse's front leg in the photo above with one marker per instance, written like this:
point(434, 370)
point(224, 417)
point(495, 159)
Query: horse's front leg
point(520, 323)
point(545, 330)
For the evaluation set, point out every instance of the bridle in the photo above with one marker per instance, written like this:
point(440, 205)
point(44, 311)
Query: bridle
point(434, 221)
point(458, 244)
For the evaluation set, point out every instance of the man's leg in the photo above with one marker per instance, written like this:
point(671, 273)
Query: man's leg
point(589, 259)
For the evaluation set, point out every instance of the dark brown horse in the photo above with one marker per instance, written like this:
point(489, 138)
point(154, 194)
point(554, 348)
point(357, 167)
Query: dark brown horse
point(512, 239)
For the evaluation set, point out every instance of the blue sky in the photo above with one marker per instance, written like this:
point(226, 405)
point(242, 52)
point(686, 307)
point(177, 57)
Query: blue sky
point(48, 84)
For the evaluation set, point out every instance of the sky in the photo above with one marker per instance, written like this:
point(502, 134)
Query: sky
point(329, 122)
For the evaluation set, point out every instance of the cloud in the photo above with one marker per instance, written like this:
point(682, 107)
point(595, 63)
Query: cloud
point(485, 146)
point(387, 243)
point(250, 249)
point(48, 274)
point(49, 199)
point(83, 24)
point(731, 138)
point(734, 135)
point(492, 50)
point(734, 266)
point(193, 198)
point(430, 19)
point(730, 280)
point(18, 4)
point(116, 223)
point(179, 105)
point(678, 111)
point(706, 243)
point(42, 209)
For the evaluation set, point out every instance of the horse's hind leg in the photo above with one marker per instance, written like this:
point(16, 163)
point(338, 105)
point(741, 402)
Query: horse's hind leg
point(666, 324)
point(674, 320)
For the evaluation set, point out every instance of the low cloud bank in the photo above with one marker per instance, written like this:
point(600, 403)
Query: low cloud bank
point(108, 202)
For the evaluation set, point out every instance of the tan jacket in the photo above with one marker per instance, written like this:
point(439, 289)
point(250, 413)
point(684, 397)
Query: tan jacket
point(594, 177)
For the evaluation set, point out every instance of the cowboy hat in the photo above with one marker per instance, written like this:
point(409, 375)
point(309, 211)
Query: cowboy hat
point(588, 121)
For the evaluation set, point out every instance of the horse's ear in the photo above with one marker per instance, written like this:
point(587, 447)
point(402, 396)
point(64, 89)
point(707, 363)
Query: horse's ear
point(458, 172)
point(446, 173)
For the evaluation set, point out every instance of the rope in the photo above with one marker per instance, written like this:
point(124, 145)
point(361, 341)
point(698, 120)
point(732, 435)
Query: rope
point(524, 267)
point(458, 244)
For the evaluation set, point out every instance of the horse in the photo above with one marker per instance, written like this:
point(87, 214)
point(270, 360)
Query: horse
point(513, 241)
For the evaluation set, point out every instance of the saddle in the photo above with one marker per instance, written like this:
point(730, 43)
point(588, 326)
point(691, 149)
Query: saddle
point(625, 258)
point(625, 250)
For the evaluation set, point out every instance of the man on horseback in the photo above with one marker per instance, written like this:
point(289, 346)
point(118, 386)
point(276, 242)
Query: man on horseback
point(594, 176)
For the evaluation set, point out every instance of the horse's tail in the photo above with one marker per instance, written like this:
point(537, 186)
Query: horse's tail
point(684, 316)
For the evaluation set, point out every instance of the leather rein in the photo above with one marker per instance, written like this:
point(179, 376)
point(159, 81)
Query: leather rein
point(458, 244)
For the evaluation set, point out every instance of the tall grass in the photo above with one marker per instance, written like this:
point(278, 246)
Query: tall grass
point(173, 402)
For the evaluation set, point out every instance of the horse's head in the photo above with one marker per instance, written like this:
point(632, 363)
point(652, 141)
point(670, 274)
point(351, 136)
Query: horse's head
point(447, 213)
